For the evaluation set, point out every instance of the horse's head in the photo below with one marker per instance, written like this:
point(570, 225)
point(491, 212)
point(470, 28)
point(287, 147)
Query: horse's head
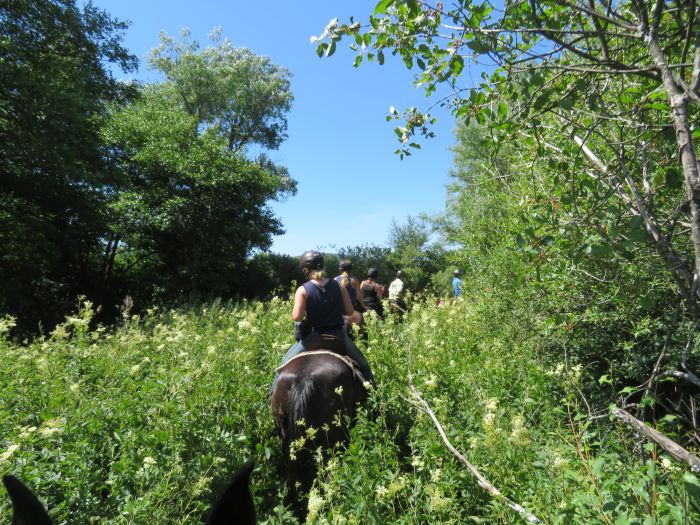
point(234, 507)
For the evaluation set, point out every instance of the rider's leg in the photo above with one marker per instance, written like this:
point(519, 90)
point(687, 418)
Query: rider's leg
point(355, 354)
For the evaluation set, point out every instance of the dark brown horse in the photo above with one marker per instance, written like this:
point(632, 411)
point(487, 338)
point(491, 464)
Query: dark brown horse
point(234, 507)
point(313, 403)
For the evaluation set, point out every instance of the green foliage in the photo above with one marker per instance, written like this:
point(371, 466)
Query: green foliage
point(416, 253)
point(567, 251)
point(242, 96)
point(271, 274)
point(146, 423)
point(570, 194)
point(189, 209)
point(111, 188)
point(55, 86)
point(593, 107)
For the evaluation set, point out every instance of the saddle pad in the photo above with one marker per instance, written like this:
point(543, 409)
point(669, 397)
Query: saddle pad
point(316, 341)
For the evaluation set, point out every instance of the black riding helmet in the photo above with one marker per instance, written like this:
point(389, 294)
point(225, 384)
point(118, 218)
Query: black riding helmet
point(345, 265)
point(311, 260)
point(399, 274)
point(457, 273)
point(372, 273)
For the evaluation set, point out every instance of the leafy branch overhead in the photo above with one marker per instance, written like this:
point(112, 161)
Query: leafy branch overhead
point(593, 108)
point(562, 79)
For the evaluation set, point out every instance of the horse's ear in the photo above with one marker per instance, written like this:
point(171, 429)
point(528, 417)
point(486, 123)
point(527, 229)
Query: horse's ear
point(27, 508)
point(235, 506)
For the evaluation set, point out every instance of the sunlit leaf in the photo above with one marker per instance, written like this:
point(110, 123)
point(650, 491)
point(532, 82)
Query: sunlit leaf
point(382, 6)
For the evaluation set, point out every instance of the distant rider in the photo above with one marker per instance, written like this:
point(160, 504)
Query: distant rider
point(457, 284)
point(372, 293)
point(396, 293)
point(321, 304)
point(352, 285)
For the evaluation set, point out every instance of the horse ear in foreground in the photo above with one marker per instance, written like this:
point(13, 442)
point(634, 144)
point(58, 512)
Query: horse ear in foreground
point(234, 507)
point(27, 508)
point(315, 397)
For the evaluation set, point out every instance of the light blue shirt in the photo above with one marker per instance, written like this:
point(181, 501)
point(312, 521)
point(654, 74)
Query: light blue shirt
point(457, 286)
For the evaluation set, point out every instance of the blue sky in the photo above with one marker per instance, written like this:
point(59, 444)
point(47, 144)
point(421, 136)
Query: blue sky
point(340, 148)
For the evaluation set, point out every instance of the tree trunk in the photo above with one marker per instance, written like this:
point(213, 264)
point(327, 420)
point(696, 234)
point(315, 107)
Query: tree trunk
point(678, 101)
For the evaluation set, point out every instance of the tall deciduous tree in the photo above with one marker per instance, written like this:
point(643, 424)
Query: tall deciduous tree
point(192, 206)
point(414, 252)
point(53, 91)
point(241, 95)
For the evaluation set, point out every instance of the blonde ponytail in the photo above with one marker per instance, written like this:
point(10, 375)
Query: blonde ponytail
point(316, 274)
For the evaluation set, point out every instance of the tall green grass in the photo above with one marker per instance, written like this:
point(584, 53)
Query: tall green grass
point(145, 424)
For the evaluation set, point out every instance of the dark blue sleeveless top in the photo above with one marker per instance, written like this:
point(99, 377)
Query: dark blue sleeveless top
point(324, 305)
point(349, 287)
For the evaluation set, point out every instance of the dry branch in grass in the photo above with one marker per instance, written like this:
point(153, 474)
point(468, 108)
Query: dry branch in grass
point(670, 446)
point(483, 482)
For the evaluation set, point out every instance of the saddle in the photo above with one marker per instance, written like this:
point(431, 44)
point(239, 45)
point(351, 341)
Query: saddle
point(316, 341)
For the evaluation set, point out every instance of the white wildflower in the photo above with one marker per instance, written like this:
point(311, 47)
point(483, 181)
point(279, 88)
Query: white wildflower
point(26, 431)
point(492, 404)
point(49, 432)
point(489, 421)
point(5, 456)
point(417, 463)
point(315, 505)
point(559, 463)
point(519, 435)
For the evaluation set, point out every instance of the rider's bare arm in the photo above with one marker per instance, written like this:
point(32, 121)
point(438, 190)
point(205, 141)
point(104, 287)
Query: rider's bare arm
point(358, 289)
point(299, 304)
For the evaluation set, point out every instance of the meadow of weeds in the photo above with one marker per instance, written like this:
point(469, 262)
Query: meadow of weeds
point(145, 423)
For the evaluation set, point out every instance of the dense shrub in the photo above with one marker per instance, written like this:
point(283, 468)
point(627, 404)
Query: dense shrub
point(146, 423)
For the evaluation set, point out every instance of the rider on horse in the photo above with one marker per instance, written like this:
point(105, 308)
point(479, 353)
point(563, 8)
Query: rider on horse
point(321, 303)
point(352, 285)
point(397, 288)
point(372, 293)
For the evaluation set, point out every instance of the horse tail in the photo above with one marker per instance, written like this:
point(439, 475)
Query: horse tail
point(302, 467)
point(298, 404)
